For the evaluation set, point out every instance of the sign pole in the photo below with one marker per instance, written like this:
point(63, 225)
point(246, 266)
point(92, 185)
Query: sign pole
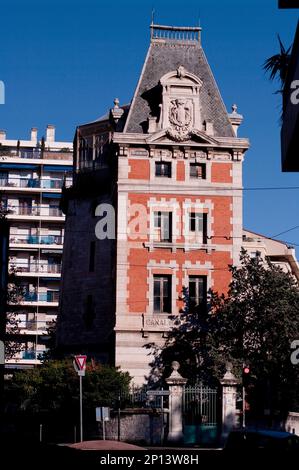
point(81, 410)
point(104, 430)
point(79, 366)
point(162, 419)
point(243, 407)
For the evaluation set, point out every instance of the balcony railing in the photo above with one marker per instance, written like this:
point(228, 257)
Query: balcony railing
point(62, 155)
point(32, 354)
point(15, 182)
point(35, 211)
point(49, 296)
point(38, 240)
point(31, 325)
point(36, 153)
point(34, 324)
point(39, 268)
point(20, 153)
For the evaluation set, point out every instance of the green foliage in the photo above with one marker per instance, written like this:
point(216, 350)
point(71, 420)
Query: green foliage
point(54, 386)
point(254, 324)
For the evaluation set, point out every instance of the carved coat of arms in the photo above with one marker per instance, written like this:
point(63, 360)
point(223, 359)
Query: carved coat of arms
point(180, 118)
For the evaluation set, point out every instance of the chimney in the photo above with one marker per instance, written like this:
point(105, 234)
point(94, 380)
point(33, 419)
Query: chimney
point(33, 135)
point(50, 133)
point(2, 135)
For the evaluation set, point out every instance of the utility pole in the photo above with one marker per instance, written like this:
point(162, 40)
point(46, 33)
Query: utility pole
point(4, 244)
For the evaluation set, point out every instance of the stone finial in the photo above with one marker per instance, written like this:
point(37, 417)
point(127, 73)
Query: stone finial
point(229, 378)
point(181, 72)
point(235, 119)
point(175, 377)
point(116, 112)
point(234, 108)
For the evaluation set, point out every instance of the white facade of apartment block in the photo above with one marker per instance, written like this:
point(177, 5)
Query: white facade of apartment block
point(278, 252)
point(32, 173)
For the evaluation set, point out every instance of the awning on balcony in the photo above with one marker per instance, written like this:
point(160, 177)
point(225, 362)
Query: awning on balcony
point(18, 166)
point(58, 168)
point(52, 195)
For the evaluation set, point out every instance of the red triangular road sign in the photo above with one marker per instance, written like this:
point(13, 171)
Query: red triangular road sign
point(80, 362)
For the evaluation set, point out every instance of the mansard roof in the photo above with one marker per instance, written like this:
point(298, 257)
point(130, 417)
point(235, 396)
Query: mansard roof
point(170, 48)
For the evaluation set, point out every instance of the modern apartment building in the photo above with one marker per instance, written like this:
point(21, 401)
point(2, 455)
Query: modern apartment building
point(32, 173)
point(277, 252)
point(170, 167)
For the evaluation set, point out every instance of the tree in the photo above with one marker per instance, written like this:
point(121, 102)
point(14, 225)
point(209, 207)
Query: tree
point(54, 387)
point(191, 343)
point(13, 294)
point(278, 64)
point(254, 324)
point(50, 341)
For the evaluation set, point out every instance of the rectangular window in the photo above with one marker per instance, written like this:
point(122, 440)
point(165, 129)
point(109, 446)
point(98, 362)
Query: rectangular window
point(92, 252)
point(162, 294)
point(198, 170)
point(163, 226)
point(198, 226)
point(163, 169)
point(197, 291)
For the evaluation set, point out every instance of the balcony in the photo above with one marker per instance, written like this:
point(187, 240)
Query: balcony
point(36, 153)
point(34, 326)
point(34, 211)
point(32, 153)
point(42, 268)
point(51, 296)
point(15, 183)
point(32, 354)
point(37, 269)
point(37, 240)
point(56, 155)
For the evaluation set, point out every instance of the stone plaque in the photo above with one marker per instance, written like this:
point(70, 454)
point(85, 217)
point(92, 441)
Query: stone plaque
point(139, 153)
point(157, 323)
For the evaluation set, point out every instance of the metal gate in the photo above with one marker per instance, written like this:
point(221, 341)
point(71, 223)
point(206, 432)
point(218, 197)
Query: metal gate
point(200, 412)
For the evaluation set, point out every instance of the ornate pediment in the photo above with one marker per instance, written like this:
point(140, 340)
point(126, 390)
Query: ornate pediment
point(194, 136)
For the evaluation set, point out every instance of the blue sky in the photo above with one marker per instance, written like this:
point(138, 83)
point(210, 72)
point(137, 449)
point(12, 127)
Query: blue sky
point(64, 61)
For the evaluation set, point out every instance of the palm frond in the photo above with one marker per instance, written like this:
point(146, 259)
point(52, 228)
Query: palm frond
point(277, 65)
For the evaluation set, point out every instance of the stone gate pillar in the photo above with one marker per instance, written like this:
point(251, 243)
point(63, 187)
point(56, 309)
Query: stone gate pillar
point(176, 388)
point(229, 401)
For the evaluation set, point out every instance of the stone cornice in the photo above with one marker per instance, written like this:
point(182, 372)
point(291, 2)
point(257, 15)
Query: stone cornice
point(147, 139)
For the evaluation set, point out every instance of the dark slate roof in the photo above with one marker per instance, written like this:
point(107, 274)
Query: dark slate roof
point(106, 117)
point(164, 57)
